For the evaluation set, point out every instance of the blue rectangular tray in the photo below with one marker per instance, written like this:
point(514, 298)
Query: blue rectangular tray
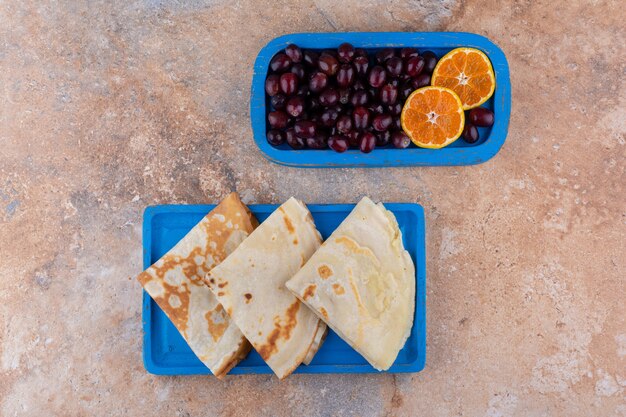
point(165, 352)
point(458, 153)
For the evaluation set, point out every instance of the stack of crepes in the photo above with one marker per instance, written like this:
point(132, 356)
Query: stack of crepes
point(229, 285)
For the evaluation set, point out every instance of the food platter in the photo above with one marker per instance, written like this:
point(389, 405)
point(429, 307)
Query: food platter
point(458, 153)
point(166, 353)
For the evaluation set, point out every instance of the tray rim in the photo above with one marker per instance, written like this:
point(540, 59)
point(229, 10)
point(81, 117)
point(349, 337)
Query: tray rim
point(419, 320)
point(385, 157)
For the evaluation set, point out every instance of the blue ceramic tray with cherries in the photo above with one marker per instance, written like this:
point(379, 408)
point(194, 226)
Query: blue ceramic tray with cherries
point(458, 153)
point(165, 352)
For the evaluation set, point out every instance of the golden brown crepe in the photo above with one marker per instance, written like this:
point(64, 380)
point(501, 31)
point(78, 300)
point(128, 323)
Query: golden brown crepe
point(361, 282)
point(250, 284)
point(175, 283)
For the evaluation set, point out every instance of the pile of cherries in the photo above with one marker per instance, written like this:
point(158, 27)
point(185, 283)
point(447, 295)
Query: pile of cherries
point(478, 116)
point(343, 98)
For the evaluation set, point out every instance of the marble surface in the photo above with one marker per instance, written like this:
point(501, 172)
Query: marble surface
point(110, 106)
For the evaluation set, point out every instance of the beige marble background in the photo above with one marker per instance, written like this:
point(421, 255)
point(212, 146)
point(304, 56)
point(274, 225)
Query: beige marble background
point(107, 107)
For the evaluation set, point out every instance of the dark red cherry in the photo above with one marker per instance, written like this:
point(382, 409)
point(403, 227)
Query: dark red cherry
point(400, 140)
point(310, 58)
point(359, 98)
point(295, 106)
point(329, 117)
point(414, 66)
point(383, 138)
point(421, 80)
point(360, 52)
point(298, 69)
point(294, 53)
point(275, 137)
point(367, 142)
point(382, 122)
point(272, 84)
point(318, 81)
point(304, 129)
point(345, 75)
point(470, 133)
point(388, 94)
point(345, 52)
point(288, 83)
point(329, 97)
point(394, 66)
point(338, 143)
point(430, 61)
point(278, 101)
point(318, 141)
point(294, 141)
point(280, 62)
point(361, 65)
point(278, 119)
point(384, 54)
point(344, 124)
point(354, 138)
point(377, 76)
point(481, 116)
point(406, 53)
point(361, 118)
point(328, 64)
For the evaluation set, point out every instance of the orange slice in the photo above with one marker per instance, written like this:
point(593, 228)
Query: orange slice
point(467, 72)
point(433, 117)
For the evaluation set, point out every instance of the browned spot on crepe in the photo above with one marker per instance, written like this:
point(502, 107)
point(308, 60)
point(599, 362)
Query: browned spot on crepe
point(216, 230)
point(282, 330)
point(339, 290)
point(178, 315)
point(355, 291)
point(288, 223)
point(324, 271)
point(324, 313)
point(309, 292)
point(295, 241)
point(222, 284)
point(217, 321)
point(248, 297)
point(352, 246)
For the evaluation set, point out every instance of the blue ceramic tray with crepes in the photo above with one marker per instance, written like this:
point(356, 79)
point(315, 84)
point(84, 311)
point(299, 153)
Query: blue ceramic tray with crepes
point(458, 153)
point(165, 352)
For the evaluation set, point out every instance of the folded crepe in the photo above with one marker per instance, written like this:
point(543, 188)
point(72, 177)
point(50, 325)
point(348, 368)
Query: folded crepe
point(320, 336)
point(175, 283)
point(361, 282)
point(250, 284)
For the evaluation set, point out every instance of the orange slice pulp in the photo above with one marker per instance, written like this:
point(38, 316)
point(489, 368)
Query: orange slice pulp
point(433, 117)
point(467, 72)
